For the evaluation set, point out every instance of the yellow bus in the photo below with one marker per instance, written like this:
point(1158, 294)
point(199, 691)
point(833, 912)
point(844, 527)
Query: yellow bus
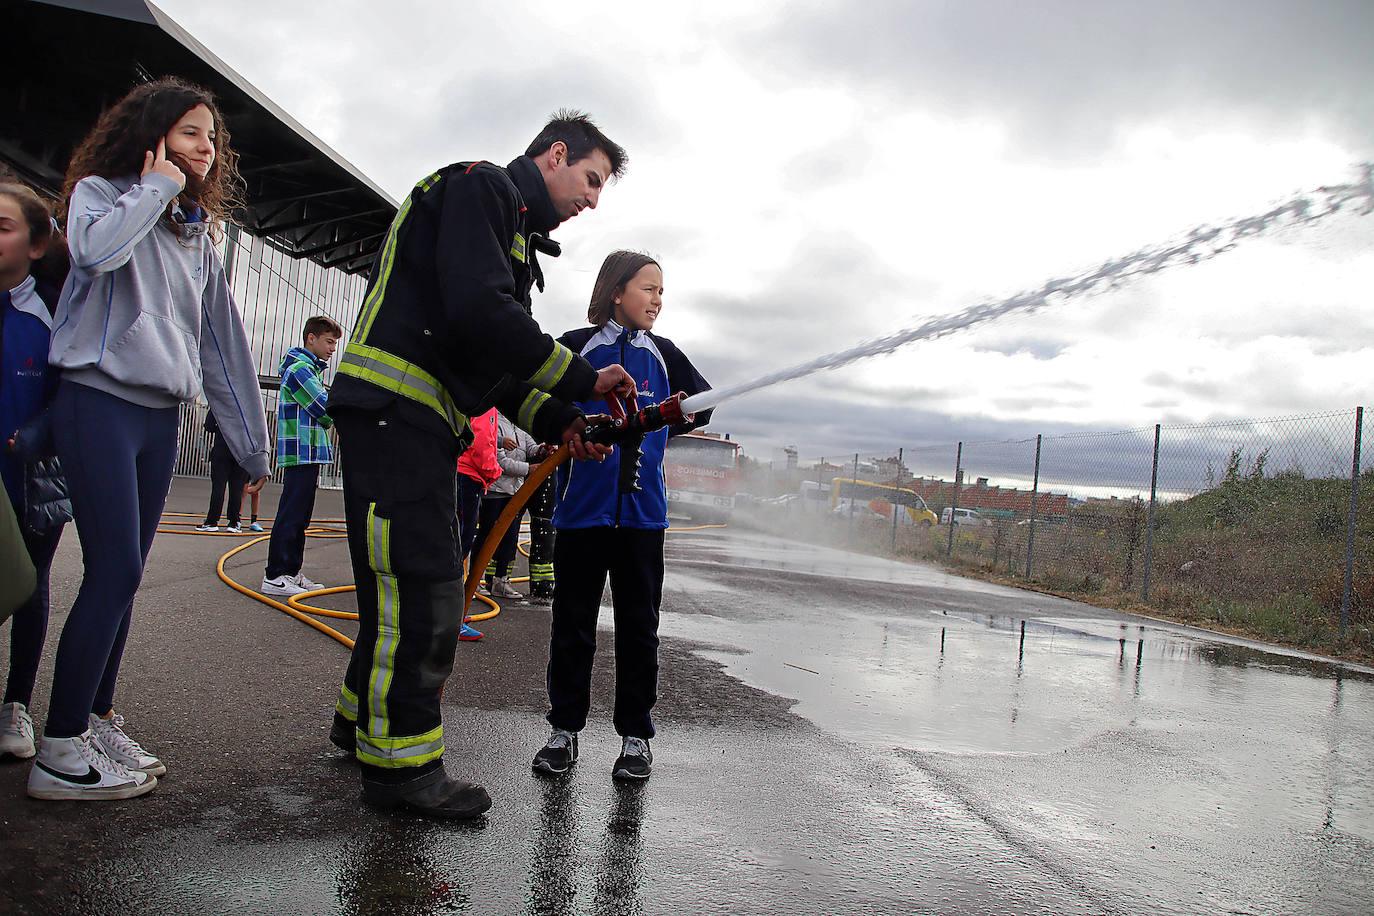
point(867, 499)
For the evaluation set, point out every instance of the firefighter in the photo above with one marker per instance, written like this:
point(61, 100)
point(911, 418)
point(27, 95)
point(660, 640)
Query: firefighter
point(445, 333)
point(541, 543)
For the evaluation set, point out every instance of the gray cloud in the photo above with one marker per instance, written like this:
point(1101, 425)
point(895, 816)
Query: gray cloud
point(1066, 75)
point(1040, 348)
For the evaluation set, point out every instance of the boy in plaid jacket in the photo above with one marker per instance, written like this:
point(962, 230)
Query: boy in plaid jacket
point(302, 446)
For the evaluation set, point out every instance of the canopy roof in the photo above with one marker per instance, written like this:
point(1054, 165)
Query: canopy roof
point(71, 60)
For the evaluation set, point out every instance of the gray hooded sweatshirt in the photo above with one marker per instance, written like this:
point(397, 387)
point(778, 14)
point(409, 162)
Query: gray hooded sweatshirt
point(147, 316)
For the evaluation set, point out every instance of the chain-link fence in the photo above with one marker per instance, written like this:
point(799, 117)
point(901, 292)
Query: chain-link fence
point(1270, 518)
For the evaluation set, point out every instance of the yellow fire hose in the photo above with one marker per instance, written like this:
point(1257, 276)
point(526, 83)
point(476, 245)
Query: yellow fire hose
point(296, 606)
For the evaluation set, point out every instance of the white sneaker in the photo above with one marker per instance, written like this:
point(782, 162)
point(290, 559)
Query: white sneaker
point(77, 769)
point(307, 583)
point(16, 731)
point(282, 585)
point(234, 529)
point(207, 527)
point(119, 747)
point(501, 588)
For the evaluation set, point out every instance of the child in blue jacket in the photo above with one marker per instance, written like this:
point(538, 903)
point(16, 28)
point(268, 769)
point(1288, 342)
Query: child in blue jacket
point(32, 268)
point(606, 525)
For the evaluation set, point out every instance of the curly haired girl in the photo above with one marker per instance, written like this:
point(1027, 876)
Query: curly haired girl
point(145, 321)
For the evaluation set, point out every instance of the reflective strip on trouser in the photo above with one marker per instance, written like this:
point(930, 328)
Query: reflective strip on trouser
point(377, 367)
point(373, 303)
point(400, 752)
point(388, 622)
point(348, 704)
point(541, 572)
point(375, 743)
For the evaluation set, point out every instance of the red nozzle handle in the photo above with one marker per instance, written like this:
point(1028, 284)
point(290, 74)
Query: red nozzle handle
point(619, 414)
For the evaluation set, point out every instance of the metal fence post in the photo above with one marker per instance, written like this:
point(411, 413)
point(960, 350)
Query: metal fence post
point(954, 501)
point(1035, 492)
point(853, 488)
point(1350, 524)
point(820, 487)
point(896, 507)
point(1150, 521)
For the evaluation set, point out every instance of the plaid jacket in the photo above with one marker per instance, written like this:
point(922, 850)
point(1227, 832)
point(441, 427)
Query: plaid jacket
point(302, 424)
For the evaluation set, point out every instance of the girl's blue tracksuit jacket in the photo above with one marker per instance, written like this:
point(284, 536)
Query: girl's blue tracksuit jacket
point(588, 490)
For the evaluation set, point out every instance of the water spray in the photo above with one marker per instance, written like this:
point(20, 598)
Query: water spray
point(1200, 244)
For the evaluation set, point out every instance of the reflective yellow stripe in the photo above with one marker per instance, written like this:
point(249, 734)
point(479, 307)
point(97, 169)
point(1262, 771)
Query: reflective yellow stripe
point(388, 622)
point(524, 417)
point(372, 304)
point(409, 751)
point(517, 250)
point(348, 704)
point(377, 367)
point(553, 369)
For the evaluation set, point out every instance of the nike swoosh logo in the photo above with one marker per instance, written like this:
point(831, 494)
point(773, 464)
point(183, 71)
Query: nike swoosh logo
point(90, 778)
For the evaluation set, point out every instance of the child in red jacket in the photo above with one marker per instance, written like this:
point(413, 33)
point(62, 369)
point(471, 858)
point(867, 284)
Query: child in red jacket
point(477, 470)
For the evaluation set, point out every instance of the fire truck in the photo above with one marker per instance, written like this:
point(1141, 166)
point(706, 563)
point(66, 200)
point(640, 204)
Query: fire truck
point(702, 475)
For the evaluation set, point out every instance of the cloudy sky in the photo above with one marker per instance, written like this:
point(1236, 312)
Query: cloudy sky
point(813, 174)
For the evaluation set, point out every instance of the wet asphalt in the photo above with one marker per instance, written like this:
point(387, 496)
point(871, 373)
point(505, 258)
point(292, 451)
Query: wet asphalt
point(838, 734)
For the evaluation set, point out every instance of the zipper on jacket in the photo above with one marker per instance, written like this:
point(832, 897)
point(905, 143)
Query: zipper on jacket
point(620, 453)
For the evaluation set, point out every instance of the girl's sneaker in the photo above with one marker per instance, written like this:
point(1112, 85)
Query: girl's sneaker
point(558, 754)
point(255, 527)
point(469, 633)
point(16, 731)
point(119, 747)
point(501, 588)
point(636, 761)
point(76, 769)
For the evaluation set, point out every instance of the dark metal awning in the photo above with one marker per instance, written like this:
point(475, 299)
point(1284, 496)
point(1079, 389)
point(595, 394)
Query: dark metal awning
point(71, 60)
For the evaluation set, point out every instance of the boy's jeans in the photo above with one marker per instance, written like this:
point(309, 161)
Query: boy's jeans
point(286, 550)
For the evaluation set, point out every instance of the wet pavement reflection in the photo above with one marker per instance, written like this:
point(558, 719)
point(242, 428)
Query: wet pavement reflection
point(951, 747)
point(1143, 750)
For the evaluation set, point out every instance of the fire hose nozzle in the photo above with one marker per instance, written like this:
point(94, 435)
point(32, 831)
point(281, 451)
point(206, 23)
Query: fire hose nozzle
point(624, 425)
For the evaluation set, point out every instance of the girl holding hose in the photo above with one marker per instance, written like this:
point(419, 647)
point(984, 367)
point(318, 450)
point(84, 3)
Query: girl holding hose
point(610, 522)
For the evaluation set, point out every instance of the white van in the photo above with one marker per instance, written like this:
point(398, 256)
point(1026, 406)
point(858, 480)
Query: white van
point(963, 517)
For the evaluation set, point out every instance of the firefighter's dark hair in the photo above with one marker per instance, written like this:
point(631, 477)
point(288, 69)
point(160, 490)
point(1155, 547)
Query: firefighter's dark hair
point(582, 138)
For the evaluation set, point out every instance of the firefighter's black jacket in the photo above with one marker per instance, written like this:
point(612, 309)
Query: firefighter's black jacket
point(444, 332)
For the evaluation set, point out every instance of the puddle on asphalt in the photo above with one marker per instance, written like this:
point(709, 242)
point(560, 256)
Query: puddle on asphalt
point(1029, 680)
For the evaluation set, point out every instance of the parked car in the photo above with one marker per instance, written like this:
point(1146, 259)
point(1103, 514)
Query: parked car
point(964, 517)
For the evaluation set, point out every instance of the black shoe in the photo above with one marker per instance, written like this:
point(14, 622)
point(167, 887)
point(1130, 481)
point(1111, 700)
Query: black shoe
point(636, 761)
point(342, 735)
point(558, 755)
point(541, 593)
point(432, 794)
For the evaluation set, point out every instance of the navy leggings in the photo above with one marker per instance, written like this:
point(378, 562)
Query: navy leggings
point(118, 459)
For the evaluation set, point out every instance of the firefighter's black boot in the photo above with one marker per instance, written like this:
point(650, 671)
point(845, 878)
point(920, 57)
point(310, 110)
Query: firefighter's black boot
point(433, 794)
